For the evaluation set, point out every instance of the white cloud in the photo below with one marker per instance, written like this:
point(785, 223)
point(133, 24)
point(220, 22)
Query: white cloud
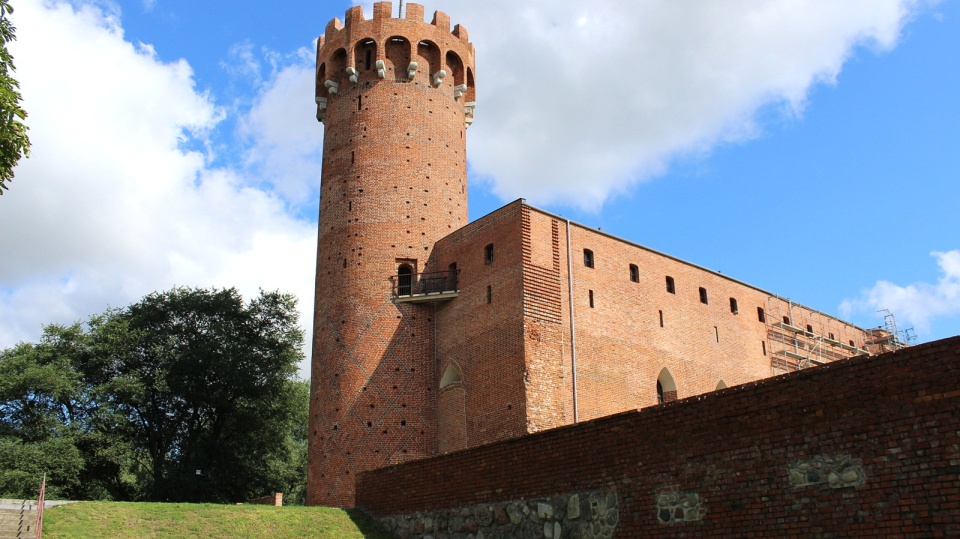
point(579, 101)
point(114, 203)
point(287, 139)
point(917, 304)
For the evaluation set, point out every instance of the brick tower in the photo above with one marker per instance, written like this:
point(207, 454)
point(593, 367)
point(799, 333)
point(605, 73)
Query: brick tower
point(396, 96)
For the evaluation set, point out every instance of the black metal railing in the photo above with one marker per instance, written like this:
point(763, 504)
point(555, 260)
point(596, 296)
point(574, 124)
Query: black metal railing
point(416, 284)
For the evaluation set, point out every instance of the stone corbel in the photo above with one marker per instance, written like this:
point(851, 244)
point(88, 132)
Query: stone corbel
point(459, 90)
point(332, 87)
point(381, 69)
point(352, 72)
point(412, 70)
point(438, 77)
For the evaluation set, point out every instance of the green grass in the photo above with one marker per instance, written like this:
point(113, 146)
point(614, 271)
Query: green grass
point(170, 520)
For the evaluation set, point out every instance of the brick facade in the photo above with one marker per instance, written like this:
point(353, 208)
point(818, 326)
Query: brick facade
point(865, 447)
point(393, 183)
point(514, 355)
point(524, 333)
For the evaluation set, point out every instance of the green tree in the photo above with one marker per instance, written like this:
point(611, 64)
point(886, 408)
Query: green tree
point(14, 142)
point(131, 409)
point(206, 386)
point(41, 415)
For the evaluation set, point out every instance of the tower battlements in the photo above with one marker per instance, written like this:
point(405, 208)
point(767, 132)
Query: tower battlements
point(361, 51)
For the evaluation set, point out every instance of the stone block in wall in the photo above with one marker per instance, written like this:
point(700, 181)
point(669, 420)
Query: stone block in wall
point(582, 515)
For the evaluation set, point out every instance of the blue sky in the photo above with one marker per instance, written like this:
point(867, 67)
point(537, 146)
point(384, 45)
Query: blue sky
point(808, 148)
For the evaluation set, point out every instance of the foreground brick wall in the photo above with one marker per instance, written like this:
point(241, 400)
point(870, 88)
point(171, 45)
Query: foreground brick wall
point(866, 447)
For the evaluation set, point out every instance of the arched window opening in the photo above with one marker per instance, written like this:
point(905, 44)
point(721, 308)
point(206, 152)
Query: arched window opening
point(398, 58)
point(455, 68)
point(452, 283)
point(335, 72)
point(471, 94)
point(666, 387)
point(321, 79)
point(488, 254)
point(363, 54)
point(404, 280)
point(428, 58)
point(450, 375)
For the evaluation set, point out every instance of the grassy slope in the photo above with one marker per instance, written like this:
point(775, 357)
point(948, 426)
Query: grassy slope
point(141, 520)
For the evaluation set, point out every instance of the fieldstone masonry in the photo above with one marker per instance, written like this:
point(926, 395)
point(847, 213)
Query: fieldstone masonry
point(584, 515)
point(838, 472)
point(675, 507)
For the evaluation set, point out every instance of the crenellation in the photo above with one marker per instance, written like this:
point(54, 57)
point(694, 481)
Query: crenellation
point(461, 33)
point(353, 16)
point(335, 25)
point(414, 12)
point(382, 10)
point(441, 20)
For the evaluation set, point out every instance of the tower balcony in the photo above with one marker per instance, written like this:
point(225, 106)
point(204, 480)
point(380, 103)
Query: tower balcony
point(425, 287)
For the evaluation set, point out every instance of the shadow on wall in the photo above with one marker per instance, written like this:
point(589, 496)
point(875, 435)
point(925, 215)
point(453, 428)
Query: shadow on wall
point(370, 528)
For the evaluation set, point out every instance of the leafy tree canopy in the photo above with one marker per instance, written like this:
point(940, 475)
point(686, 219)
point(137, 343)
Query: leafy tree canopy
point(187, 395)
point(14, 142)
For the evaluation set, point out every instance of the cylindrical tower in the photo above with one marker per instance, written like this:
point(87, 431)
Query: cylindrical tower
point(396, 96)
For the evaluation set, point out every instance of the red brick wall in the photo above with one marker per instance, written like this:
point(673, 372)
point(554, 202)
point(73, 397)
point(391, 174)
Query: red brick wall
point(622, 348)
point(485, 340)
point(896, 415)
point(393, 183)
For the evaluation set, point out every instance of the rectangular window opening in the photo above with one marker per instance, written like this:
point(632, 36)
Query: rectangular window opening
point(716, 333)
point(763, 344)
point(760, 315)
point(634, 273)
point(703, 295)
point(786, 320)
point(489, 294)
point(591, 299)
point(733, 306)
point(588, 258)
point(488, 254)
point(671, 287)
point(661, 318)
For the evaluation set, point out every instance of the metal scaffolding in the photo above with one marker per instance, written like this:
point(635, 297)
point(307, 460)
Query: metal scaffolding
point(797, 344)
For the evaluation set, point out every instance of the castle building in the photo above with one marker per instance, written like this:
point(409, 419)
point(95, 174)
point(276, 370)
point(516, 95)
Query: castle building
point(432, 334)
